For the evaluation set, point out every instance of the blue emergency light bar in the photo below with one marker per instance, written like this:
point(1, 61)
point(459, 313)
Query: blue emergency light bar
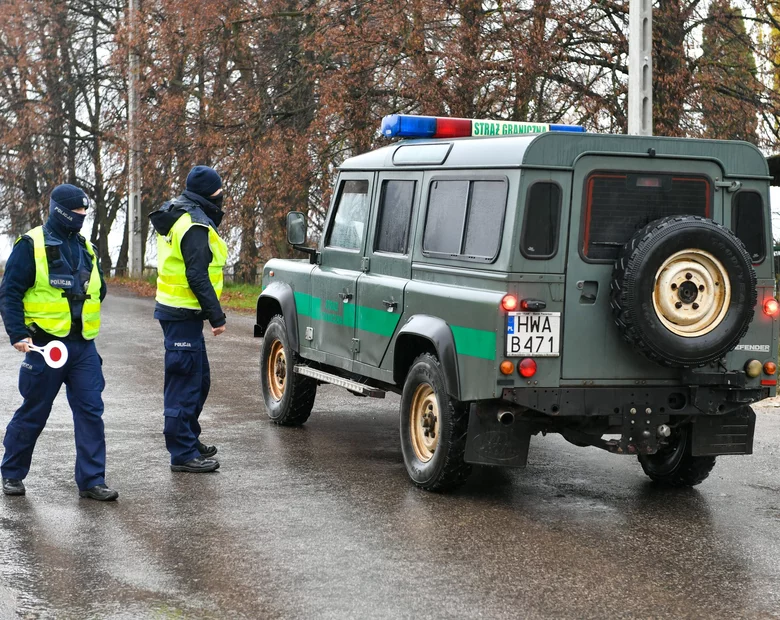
point(409, 126)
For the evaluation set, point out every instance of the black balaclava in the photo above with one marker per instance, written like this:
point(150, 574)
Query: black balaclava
point(63, 200)
point(217, 200)
point(204, 181)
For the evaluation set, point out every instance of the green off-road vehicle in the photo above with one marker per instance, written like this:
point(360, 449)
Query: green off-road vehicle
point(618, 290)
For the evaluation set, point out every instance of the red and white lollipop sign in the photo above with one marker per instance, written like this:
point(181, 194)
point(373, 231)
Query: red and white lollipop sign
point(55, 354)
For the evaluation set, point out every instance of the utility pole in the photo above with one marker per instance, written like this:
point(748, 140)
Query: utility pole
point(135, 247)
point(640, 67)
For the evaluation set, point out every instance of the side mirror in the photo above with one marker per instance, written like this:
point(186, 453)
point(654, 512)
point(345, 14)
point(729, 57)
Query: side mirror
point(296, 228)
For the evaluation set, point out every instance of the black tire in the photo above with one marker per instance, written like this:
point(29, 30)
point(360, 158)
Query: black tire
point(446, 469)
point(675, 466)
point(298, 392)
point(634, 282)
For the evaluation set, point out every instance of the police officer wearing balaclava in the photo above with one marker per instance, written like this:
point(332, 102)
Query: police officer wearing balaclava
point(190, 258)
point(52, 290)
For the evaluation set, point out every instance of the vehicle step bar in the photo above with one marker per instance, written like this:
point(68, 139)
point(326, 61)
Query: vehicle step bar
point(352, 386)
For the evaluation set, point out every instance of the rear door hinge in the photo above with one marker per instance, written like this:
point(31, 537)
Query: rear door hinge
point(364, 263)
point(729, 186)
point(356, 345)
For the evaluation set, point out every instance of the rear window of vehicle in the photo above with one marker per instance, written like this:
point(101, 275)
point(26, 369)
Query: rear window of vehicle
point(465, 219)
point(747, 217)
point(618, 204)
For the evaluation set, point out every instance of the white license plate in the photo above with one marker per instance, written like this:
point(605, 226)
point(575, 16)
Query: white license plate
point(533, 334)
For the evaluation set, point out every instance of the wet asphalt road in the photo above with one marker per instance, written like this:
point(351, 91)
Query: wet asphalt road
point(322, 522)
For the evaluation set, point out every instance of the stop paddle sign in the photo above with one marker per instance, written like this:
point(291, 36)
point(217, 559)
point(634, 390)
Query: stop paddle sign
point(55, 354)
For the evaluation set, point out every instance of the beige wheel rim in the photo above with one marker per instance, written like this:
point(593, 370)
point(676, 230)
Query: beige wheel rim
point(692, 293)
point(276, 370)
point(424, 422)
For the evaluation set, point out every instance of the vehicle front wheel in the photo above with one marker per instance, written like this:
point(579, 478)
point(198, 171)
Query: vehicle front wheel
point(289, 397)
point(433, 428)
point(674, 465)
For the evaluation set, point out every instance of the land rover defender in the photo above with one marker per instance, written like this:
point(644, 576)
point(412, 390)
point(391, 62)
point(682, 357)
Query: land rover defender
point(618, 290)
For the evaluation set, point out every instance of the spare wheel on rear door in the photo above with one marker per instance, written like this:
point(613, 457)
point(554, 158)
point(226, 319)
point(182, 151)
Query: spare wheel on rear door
point(683, 291)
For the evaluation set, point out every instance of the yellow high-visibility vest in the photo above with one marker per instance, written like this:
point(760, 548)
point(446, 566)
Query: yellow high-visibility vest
point(172, 286)
point(44, 304)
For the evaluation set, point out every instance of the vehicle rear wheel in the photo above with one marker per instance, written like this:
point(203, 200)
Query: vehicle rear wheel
point(289, 397)
point(674, 465)
point(433, 428)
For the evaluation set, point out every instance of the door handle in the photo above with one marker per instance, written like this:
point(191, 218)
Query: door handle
point(345, 297)
point(588, 292)
point(390, 305)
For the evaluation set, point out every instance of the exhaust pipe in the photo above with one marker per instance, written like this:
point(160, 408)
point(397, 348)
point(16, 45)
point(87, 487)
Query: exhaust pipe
point(506, 417)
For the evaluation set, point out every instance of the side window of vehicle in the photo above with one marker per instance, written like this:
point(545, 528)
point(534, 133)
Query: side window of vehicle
point(351, 216)
point(447, 204)
point(465, 219)
point(747, 217)
point(395, 216)
point(542, 221)
point(485, 218)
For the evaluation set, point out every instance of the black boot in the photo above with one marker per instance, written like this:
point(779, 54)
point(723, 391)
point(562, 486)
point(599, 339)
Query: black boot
point(197, 465)
point(206, 451)
point(13, 486)
point(100, 492)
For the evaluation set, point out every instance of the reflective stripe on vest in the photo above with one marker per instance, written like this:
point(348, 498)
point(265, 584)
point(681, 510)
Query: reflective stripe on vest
point(172, 286)
point(45, 306)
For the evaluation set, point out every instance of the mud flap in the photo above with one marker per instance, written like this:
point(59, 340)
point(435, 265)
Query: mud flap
point(490, 442)
point(726, 434)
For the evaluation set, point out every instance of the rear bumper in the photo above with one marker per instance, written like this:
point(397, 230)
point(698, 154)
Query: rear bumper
point(500, 430)
point(600, 401)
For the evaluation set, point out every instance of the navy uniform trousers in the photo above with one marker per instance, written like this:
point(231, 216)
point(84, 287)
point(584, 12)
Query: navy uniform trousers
point(39, 386)
point(187, 383)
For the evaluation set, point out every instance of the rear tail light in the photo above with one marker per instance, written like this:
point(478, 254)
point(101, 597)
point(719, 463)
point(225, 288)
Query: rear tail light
point(770, 368)
point(526, 367)
point(509, 303)
point(771, 307)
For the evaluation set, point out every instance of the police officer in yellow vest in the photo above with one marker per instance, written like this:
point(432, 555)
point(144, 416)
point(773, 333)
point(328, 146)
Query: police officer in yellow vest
point(190, 258)
point(52, 290)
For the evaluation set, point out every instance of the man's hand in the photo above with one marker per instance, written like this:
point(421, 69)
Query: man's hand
point(23, 345)
point(215, 330)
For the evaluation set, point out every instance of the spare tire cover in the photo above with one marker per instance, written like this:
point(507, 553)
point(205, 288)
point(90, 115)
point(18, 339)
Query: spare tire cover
point(683, 291)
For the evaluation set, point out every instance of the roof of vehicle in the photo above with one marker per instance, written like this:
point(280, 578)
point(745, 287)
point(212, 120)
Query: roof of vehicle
point(561, 150)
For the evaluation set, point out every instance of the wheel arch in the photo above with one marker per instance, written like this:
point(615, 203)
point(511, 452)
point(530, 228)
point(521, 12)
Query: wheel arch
point(427, 334)
point(278, 298)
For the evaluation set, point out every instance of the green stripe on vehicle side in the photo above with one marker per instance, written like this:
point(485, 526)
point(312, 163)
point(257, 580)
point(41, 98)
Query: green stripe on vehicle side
point(302, 303)
point(344, 314)
point(474, 342)
point(468, 341)
point(376, 321)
